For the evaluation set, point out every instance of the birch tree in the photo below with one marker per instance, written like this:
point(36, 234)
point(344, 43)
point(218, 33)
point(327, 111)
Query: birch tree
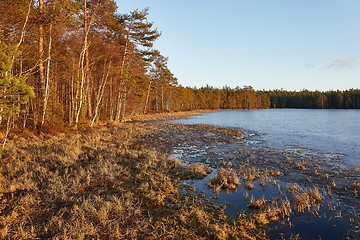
point(100, 94)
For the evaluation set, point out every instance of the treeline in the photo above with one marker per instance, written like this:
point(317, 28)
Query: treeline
point(215, 98)
point(349, 99)
point(74, 61)
point(248, 98)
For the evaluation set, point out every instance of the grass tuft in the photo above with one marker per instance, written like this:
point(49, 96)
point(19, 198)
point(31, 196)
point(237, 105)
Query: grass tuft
point(224, 180)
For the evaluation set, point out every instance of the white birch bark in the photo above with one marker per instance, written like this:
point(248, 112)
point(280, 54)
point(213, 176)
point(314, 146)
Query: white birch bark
point(47, 82)
point(22, 33)
point(100, 94)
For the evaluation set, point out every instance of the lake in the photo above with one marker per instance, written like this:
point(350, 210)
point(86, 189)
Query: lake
point(326, 131)
point(324, 137)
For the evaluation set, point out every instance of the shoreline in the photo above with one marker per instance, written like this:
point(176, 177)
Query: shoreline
point(163, 116)
point(90, 174)
point(338, 184)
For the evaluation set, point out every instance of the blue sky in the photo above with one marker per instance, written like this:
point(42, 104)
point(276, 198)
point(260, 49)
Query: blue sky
point(268, 44)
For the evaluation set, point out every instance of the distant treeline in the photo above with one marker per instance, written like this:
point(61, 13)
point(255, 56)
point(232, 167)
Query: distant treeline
point(349, 99)
point(247, 98)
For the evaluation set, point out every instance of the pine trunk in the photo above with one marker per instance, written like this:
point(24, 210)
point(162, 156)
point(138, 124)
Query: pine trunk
point(147, 97)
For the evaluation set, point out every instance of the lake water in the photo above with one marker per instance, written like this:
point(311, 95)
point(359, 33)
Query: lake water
point(334, 132)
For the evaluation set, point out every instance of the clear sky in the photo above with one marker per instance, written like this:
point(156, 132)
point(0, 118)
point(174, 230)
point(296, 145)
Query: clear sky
point(268, 44)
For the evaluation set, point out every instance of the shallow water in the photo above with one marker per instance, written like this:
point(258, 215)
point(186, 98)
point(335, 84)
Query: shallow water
point(325, 226)
point(333, 132)
point(325, 138)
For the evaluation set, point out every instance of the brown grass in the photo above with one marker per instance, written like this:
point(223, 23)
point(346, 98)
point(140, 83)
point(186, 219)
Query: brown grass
point(250, 173)
point(225, 180)
point(356, 187)
point(197, 171)
point(101, 183)
point(306, 200)
point(273, 212)
point(301, 165)
point(257, 203)
point(165, 115)
point(249, 185)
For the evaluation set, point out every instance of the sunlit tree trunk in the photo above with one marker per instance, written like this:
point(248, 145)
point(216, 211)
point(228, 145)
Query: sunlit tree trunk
point(111, 106)
point(87, 64)
point(22, 37)
point(83, 68)
point(147, 97)
point(41, 85)
point(100, 94)
point(48, 83)
point(162, 96)
point(72, 97)
point(124, 103)
point(119, 101)
point(80, 87)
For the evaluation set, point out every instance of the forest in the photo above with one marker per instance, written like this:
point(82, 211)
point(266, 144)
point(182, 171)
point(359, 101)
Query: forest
point(68, 62)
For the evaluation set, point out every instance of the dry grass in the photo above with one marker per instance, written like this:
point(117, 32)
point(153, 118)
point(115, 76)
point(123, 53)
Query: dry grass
point(165, 116)
point(287, 159)
point(356, 187)
point(306, 200)
point(250, 173)
point(224, 180)
point(257, 203)
point(249, 185)
point(197, 171)
point(301, 165)
point(273, 212)
point(101, 183)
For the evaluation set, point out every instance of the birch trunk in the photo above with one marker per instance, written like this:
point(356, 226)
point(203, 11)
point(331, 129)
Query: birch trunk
point(100, 94)
point(119, 96)
point(41, 62)
point(111, 113)
point(21, 36)
point(48, 83)
point(80, 89)
point(8, 128)
point(71, 96)
point(87, 65)
point(124, 103)
point(83, 67)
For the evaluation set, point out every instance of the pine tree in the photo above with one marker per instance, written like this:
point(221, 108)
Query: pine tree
point(14, 91)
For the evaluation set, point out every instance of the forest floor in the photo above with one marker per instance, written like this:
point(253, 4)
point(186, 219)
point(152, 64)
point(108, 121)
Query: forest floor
point(159, 180)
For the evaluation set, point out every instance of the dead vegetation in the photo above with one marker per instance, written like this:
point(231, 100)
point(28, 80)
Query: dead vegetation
point(249, 185)
point(306, 199)
point(224, 180)
point(101, 183)
point(165, 116)
point(257, 203)
point(250, 173)
point(196, 171)
point(270, 213)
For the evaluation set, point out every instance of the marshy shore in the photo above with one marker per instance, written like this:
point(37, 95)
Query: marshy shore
point(146, 180)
